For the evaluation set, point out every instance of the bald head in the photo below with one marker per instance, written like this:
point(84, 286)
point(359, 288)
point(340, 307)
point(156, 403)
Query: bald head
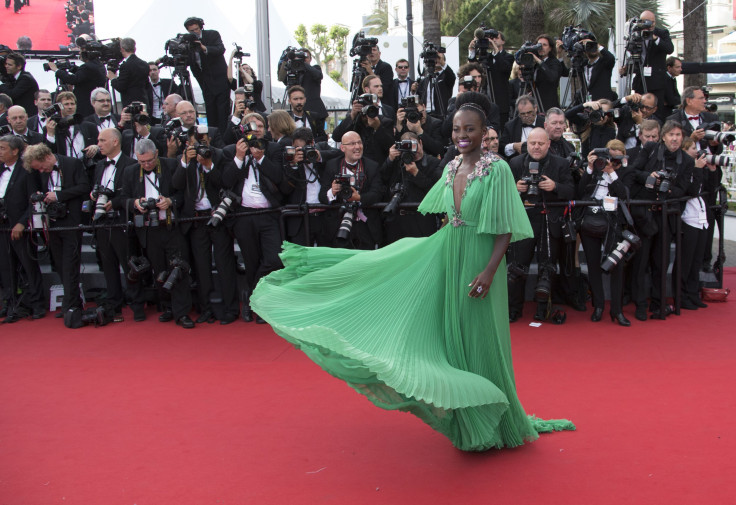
point(109, 141)
point(352, 146)
point(648, 16)
point(537, 143)
point(170, 103)
point(185, 110)
point(17, 118)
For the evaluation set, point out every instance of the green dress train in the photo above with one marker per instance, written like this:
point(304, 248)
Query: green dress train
point(397, 323)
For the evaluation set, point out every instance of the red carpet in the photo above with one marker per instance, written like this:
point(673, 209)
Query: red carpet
point(44, 21)
point(154, 414)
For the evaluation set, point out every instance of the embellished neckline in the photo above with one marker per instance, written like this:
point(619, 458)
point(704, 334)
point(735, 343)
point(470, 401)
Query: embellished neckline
point(482, 168)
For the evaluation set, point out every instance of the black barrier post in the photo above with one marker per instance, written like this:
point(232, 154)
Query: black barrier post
point(665, 244)
point(677, 266)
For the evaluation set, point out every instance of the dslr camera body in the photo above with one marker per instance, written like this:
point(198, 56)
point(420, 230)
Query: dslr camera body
point(369, 101)
point(409, 104)
point(408, 149)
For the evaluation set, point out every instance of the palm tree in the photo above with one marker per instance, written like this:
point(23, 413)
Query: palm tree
point(377, 22)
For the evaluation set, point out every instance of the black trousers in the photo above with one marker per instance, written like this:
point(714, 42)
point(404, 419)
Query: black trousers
point(259, 238)
point(650, 255)
point(66, 254)
point(522, 253)
point(218, 108)
point(202, 239)
point(114, 249)
point(710, 232)
point(163, 245)
point(593, 247)
point(317, 230)
point(13, 252)
point(692, 247)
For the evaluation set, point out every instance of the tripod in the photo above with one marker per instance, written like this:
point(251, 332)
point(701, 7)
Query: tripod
point(527, 87)
point(576, 85)
point(356, 85)
point(487, 76)
point(634, 64)
point(185, 86)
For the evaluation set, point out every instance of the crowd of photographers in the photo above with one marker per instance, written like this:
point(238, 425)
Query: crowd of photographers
point(168, 197)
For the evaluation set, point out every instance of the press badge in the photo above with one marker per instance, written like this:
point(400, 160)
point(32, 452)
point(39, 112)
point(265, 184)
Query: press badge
point(610, 203)
point(57, 188)
point(255, 188)
point(647, 71)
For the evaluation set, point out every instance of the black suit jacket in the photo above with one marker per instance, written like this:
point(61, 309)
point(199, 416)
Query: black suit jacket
point(186, 179)
point(89, 76)
point(212, 75)
point(74, 188)
point(432, 139)
point(132, 81)
point(600, 77)
point(646, 162)
point(35, 125)
point(95, 120)
point(89, 133)
point(270, 178)
point(156, 134)
point(445, 85)
point(22, 91)
point(375, 143)
point(3, 119)
point(656, 57)
point(680, 118)
point(118, 200)
point(386, 74)
point(547, 82)
point(512, 133)
point(17, 204)
point(32, 138)
point(316, 124)
point(392, 98)
point(672, 97)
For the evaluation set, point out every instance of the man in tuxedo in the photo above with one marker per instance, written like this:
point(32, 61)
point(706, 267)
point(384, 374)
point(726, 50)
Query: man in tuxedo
point(113, 244)
point(303, 118)
point(199, 176)
point(517, 130)
point(376, 133)
point(157, 92)
point(310, 80)
point(18, 120)
point(188, 115)
point(653, 57)
point(365, 189)
point(87, 77)
point(69, 137)
point(42, 100)
point(5, 103)
point(374, 65)
point(64, 185)
point(598, 70)
point(210, 69)
point(554, 125)
point(547, 73)
point(14, 246)
point(671, 96)
point(256, 179)
point(555, 185)
point(102, 116)
point(428, 129)
point(401, 86)
point(372, 84)
point(133, 82)
point(151, 178)
point(21, 86)
point(437, 97)
point(499, 64)
point(142, 129)
point(169, 108)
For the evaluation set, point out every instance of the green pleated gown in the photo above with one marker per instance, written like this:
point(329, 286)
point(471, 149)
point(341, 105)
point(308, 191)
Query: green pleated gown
point(397, 323)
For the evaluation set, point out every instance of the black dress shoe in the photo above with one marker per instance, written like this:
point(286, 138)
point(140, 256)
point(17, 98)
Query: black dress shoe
point(139, 314)
point(166, 316)
point(39, 313)
point(228, 318)
point(514, 316)
point(541, 314)
point(596, 315)
point(11, 318)
point(658, 313)
point(259, 319)
point(688, 305)
point(185, 322)
point(4, 311)
point(248, 316)
point(59, 315)
point(620, 319)
point(699, 303)
point(206, 317)
point(641, 313)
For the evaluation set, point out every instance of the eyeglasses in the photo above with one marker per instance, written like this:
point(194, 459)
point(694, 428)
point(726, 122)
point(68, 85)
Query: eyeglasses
point(528, 114)
point(490, 139)
point(356, 143)
point(403, 67)
point(104, 100)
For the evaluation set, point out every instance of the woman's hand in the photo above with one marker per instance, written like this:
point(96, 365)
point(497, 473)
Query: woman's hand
point(481, 284)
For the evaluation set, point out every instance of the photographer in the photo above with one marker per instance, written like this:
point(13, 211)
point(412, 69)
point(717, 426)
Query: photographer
point(540, 177)
point(634, 110)
point(132, 84)
point(353, 182)
point(188, 115)
point(412, 117)
point(87, 77)
point(598, 70)
point(401, 86)
point(374, 65)
point(257, 180)
point(672, 99)
point(141, 128)
point(499, 64)
point(408, 174)
point(375, 131)
point(145, 186)
point(464, 74)
point(516, 131)
point(594, 124)
point(302, 187)
point(157, 91)
point(102, 116)
point(547, 73)
point(199, 176)
point(304, 118)
point(298, 65)
point(695, 120)
point(113, 245)
point(19, 85)
point(67, 135)
point(445, 80)
point(606, 180)
point(42, 100)
point(554, 125)
point(662, 171)
point(18, 121)
point(61, 184)
point(648, 132)
point(15, 246)
point(696, 224)
point(208, 65)
point(490, 142)
point(247, 77)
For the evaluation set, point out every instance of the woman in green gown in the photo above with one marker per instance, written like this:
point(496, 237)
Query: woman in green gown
point(422, 325)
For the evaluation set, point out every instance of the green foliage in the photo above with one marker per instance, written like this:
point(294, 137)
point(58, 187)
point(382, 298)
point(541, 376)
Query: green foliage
point(377, 22)
point(327, 45)
point(336, 76)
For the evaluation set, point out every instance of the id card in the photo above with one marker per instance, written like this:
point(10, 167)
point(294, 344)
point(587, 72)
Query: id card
point(647, 71)
point(255, 188)
point(57, 188)
point(610, 203)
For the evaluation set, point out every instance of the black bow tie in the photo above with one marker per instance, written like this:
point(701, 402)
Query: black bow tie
point(298, 118)
point(105, 118)
point(109, 162)
point(404, 81)
point(156, 83)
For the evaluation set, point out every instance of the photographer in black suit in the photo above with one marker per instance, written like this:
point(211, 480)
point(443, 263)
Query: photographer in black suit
point(306, 75)
point(598, 70)
point(499, 63)
point(139, 127)
point(552, 182)
point(19, 85)
point(87, 77)
point(547, 73)
point(42, 100)
point(374, 65)
point(516, 131)
point(62, 184)
point(210, 69)
point(427, 128)
point(672, 97)
point(18, 120)
point(303, 118)
point(132, 84)
point(401, 86)
point(15, 246)
point(199, 176)
point(113, 244)
point(70, 136)
point(147, 183)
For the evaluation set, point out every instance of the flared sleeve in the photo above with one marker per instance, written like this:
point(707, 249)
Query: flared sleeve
point(434, 200)
point(502, 211)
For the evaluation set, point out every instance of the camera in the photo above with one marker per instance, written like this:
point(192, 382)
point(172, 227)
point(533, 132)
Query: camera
point(182, 44)
point(624, 250)
point(483, 38)
point(346, 187)
point(239, 54)
point(175, 129)
point(52, 113)
point(137, 266)
point(369, 101)
point(109, 53)
point(709, 106)
point(311, 154)
point(714, 159)
point(178, 268)
point(725, 138)
point(637, 31)
point(408, 149)
point(134, 108)
point(227, 199)
point(533, 179)
point(205, 152)
point(516, 272)
point(409, 104)
point(525, 55)
point(543, 289)
point(67, 65)
point(98, 316)
point(149, 206)
point(467, 82)
point(430, 53)
point(661, 183)
point(101, 195)
point(56, 210)
point(38, 212)
point(362, 46)
point(349, 210)
point(603, 156)
point(598, 115)
point(571, 40)
point(398, 192)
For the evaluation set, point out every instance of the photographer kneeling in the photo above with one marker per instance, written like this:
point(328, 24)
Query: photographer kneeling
point(409, 174)
point(605, 180)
